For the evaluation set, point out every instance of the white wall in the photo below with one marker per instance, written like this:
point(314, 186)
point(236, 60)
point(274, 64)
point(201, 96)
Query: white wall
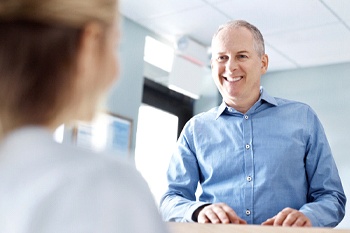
point(326, 89)
point(210, 96)
point(126, 96)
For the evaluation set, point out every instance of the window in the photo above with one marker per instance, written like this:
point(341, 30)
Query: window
point(158, 54)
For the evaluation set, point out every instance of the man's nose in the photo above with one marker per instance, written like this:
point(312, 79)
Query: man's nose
point(231, 65)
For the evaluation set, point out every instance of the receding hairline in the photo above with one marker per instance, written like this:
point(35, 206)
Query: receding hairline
point(259, 44)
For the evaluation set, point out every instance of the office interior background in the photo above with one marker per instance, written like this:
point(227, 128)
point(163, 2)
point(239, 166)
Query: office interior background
point(165, 70)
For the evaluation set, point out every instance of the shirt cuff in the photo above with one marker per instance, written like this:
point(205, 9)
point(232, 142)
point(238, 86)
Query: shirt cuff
point(190, 211)
point(311, 216)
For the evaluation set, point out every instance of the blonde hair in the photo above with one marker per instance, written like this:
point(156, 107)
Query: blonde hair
point(74, 13)
point(39, 43)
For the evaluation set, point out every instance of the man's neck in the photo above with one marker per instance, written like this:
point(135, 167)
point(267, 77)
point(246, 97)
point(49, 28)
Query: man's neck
point(243, 105)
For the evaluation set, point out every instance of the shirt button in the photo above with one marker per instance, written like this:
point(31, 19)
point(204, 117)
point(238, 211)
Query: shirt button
point(246, 117)
point(247, 212)
point(249, 178)
point(247, 146)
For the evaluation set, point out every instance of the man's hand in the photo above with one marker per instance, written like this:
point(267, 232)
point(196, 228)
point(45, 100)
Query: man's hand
point(219, 213)
point(289, 217)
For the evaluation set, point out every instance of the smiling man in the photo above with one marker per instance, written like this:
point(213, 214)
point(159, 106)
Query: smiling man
point(237, 65)
point(259, 159)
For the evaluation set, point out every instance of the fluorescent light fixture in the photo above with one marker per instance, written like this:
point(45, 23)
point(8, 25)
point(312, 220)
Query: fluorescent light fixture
point(158, 54)
point(183, 91)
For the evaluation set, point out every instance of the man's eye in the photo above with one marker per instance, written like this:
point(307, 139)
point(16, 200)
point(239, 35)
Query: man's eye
point(221, 58)
point(242, 56)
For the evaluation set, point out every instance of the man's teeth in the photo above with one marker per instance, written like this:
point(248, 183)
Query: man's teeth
point(233, 79)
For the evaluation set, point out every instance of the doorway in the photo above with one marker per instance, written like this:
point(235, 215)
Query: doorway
point(155, 140)
point(162, 116)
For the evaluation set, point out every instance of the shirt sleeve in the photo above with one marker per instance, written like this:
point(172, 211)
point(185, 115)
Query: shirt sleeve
point(179, 202)
point(326, 199)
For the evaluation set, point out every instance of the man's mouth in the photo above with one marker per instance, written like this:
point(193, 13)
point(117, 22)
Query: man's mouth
point(232, 79)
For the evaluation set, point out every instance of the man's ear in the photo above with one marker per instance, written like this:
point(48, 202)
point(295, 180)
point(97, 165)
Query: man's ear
point(264, 63)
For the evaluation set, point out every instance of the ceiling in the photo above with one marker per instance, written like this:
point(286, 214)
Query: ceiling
point(297, 33)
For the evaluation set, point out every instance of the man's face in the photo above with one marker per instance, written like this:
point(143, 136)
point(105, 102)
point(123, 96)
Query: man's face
point(236, 65)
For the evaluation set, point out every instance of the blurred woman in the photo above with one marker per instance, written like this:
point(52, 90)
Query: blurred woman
point(57, 59)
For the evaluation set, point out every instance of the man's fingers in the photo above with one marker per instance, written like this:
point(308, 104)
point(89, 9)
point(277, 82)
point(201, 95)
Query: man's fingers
point(213, 214)
point(281, 216)
point(203, 219)
point(290, 220)
point(208, 215)
point(300, 222)
point(232, 216)
point(219, 213)
point(289, 217)
point(242, 221)
point(269, 222)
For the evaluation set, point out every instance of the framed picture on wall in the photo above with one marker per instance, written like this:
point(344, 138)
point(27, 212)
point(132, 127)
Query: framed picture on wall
point(107, 132)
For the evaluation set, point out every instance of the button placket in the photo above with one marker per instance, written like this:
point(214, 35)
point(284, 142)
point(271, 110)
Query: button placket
point(248, 166)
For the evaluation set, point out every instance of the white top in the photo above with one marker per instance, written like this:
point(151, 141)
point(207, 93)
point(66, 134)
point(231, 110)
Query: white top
point(49, 187)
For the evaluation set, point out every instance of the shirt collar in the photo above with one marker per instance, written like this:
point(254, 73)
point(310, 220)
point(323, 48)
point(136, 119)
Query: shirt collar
point(263, 96)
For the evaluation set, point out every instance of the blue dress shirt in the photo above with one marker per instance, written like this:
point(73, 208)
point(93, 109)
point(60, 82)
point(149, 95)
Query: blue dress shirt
point(274, 156)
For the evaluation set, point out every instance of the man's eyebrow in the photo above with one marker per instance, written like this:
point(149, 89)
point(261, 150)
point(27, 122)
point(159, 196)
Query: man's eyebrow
point(215, 52)
point(243, 51)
